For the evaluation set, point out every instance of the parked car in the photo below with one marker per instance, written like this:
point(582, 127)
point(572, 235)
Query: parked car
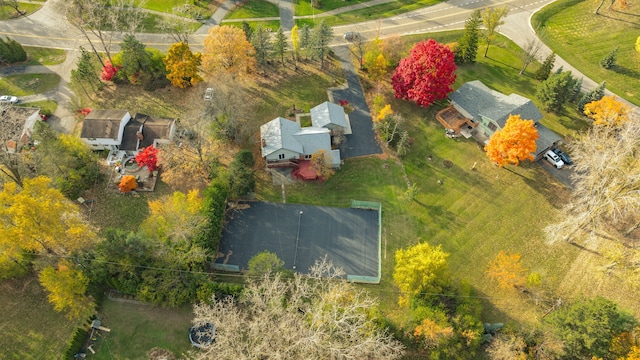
point(8, 99)
point(208, 95)
point(351, 36)
point(564, 156)
point(554, 159)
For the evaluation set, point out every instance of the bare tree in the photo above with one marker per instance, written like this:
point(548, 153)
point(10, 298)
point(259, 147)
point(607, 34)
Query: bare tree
point(530, 52)
point(178, 29)
point(13, 4)
point(13, 162)
point(230, 109)
point(319, 316)
point(358, 48)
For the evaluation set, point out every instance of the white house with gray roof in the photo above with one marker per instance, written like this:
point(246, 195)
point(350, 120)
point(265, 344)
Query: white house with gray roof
point(487, 111)
point(284, 140)
point(331, 116)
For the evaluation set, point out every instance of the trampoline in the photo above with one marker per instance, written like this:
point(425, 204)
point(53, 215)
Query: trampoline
point(202, 336)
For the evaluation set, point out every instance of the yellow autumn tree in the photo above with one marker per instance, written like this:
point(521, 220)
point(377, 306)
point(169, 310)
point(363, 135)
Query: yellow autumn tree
point(127, 183)
point(182, 65)
point(607, 111)
point(67, 287)
point(506, 270)
point(295, 41)
point(321, 162)
point(515, 142)
point(176, 217)
point(38, 218)
point(431, 333)
point(378, 68)
point(420, 268)
point(226, 49)
point(383, 113)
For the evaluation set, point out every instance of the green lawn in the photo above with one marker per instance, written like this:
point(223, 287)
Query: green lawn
point(303, 7)
point(30, 328)
point(181, 7)
point(7, 12)
point(566, 23)
point(28, 84)
point(269, 24)
point(136, 329)
point(44, 56)
point(254, 9)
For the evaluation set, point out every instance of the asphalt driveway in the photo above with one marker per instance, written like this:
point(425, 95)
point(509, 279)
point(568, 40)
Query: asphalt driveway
point(562, 175)
point(363, 140)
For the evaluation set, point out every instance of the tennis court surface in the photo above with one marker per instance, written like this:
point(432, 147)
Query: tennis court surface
point(301, 234)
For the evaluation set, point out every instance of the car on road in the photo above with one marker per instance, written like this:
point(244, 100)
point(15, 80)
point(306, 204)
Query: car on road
point(8, 99)
point(208, 95)
point(351, 36)
point(554, 159)
point(563, 156)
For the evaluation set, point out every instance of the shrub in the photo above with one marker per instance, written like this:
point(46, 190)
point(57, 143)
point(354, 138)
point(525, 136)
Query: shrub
point(76, 343)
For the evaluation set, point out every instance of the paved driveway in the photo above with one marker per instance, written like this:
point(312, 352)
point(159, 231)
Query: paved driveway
point(363, 140)
point(562, 175)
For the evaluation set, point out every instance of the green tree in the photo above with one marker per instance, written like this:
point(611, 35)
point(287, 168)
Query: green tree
point(264, 263)
point(11, 51)
point(467, 48)
point(556, 90)
point(280, 45)
point(593, 95)
point(588, 326)
point(241, 177)
point(135, 60)
point(248, 30)
point(261, 41)
point(544, 70)
point(86, 73)
point(492, 18)
point(305, 39)
point(420, 268)
point(321, 35)
point(609, 60)
point(182, 65)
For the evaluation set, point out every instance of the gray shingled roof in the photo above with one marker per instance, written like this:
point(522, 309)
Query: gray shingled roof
point(102, 124)
point(328, 113)
point(477, 99)
point(278, 134)
point(313, 139)
point(546, 139)
point(152, 129)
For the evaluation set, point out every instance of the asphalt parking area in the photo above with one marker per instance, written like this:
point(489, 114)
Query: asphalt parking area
point(563, 175)
point(302, 234)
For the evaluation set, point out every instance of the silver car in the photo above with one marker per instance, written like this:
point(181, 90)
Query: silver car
point(8, 99)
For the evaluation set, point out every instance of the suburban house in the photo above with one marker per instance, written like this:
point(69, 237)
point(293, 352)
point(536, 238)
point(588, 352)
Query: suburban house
point(21, 123)
point(285, 143)
point(122, 134)
point(477, 111)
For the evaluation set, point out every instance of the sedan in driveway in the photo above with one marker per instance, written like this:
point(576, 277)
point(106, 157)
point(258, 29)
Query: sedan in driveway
point(8, 99)
point(563, 156)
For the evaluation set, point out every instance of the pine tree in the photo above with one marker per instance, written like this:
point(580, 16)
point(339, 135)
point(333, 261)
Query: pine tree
point(593, 95)
point(305, 39)
point(280, 45)
point(555, 91)
point(248, 30)
point(86, 73)
point(320, 38)
point(261, 41)
point(17, 50)
point(608, 61)
point(544, 70)
point(467, 48)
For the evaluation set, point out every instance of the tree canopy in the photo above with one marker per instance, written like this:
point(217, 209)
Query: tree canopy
point(182, 65)
point(607, 112)
point(319, 316)
point(426, 75)
point(420, 268)
point(515, 142)
point(227, 50)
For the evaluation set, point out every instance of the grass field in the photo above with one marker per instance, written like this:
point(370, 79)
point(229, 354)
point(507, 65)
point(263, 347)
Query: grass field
point(377, 11)
point(565, 23)
point(28, 84)
point(254, 9)
point(30, 328)
point(7, 12)
point(44, 56)
point(136, 329)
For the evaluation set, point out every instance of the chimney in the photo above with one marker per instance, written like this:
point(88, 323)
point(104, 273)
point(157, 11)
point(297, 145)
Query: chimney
point(264, 143)
point(139, 135)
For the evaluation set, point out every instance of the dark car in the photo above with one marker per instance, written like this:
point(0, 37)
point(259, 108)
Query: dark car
point(563, 155)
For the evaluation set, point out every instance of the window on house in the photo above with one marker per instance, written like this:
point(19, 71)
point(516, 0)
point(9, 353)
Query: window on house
point(307, 157)
point(492, 126)
point(280, 156)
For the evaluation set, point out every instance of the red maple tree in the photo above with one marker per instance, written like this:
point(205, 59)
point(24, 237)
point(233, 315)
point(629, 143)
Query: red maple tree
point(108, 71)
point(426, 75)
point(148, 157)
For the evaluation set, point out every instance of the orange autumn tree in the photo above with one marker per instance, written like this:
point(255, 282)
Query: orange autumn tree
point(515, 142)
point(607, 111)
point(507, 270)
point(127, 183)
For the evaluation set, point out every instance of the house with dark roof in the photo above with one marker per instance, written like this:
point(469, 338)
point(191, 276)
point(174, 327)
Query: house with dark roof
point(122, 134)
point(478, 111)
